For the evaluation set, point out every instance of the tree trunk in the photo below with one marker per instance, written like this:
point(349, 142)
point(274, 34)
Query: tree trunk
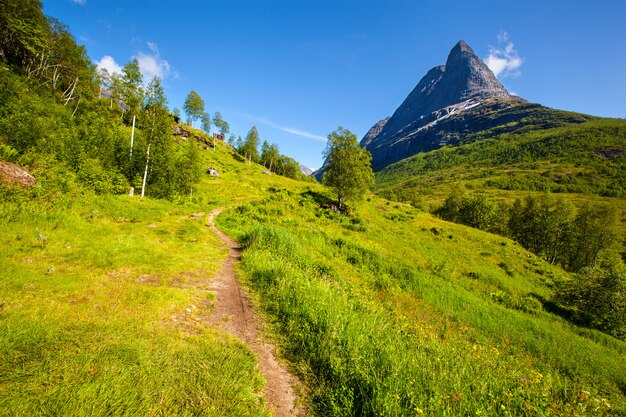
point(145, 173)
point(132, 138)
point(71, 92)
point(77, 104)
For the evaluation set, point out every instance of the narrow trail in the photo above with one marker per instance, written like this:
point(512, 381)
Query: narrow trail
point(233, 312)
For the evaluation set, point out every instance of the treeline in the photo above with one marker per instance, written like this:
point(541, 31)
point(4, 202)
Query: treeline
point(59, 113)
point(586, 242)
point(269, 156)
point(547, 226)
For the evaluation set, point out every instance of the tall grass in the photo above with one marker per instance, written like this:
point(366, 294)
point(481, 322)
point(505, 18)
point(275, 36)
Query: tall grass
point(375, 333)
point(104, 304)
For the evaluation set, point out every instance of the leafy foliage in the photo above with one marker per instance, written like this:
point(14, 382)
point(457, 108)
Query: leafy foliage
point(193, 106)
point(249, 147)
point(597, 298)
point(349, 171)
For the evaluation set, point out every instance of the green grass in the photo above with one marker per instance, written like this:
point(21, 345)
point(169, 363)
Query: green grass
point(393, 312)
point(388, 311)
point(581, 161)
point(104, 310)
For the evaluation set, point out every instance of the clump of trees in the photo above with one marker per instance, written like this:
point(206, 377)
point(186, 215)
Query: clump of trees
point(586, 242)
point(596, 297)
point(547, 226)
point(348, 167)
point(269, 155)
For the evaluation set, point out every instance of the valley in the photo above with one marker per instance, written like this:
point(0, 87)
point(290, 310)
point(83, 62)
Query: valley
point(466, 257)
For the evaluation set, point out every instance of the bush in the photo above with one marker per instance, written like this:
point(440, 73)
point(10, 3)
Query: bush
point(597, 298)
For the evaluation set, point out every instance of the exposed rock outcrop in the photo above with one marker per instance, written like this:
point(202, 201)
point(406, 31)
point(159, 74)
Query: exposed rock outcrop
point(11, 173)
point(373, 132)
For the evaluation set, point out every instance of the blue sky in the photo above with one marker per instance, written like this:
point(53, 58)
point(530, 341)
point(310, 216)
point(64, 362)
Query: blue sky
point(297, 69)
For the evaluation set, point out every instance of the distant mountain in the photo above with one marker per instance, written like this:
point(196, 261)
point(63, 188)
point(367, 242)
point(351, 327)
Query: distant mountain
point(451, 102)
point(306, 170)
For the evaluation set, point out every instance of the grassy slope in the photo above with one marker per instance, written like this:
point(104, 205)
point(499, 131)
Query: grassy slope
point(394, 312)
point(104, 301)
point(581, 161)
point(390, 311)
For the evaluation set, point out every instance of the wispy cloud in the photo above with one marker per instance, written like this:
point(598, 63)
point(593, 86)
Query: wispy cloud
point(81, 2)
point(151, 63)
point(292, 130)
point(503, 59)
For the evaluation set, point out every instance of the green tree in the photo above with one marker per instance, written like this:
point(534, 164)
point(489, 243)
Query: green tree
point(289, 167)
point(156, 128)
point(450, 208)
point(131, 90)
point(478, 212)
point(221, 124)
point(194, 106)
point(206, 122)
point(597, 298)
point(23, 31)
point(188, 168)
point(249, 147)
point(349, 170)
point(595, 233)
point(269, 155)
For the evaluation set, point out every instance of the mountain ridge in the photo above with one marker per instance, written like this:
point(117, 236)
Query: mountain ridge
point(446, 91)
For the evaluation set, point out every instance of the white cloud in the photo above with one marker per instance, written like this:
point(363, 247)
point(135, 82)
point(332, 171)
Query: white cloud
point(81, 2)
point(151, 64)
point(108, 63)
point(292, 130)
point(504, 60)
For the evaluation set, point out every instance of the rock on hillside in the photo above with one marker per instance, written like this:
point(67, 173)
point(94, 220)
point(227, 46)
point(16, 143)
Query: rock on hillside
point(373, 132)
point(14, 174)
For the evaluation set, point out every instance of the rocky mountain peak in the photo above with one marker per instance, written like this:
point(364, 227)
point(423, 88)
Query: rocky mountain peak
point(469, 76)
point(446, 95)
point(463, 79)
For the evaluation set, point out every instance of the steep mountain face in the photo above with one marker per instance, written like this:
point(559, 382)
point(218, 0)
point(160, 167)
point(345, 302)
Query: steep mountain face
point(305, 170)
point(451, 101)
point(373, 132)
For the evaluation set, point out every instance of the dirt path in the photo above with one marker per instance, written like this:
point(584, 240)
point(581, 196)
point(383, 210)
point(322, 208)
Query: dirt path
point(233, 312)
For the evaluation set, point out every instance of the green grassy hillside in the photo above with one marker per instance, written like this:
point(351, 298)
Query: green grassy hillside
point(387, 311)
point(584, 160)
point(105, 301)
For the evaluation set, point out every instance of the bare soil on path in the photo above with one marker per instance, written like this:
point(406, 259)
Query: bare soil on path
point(233, 313)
